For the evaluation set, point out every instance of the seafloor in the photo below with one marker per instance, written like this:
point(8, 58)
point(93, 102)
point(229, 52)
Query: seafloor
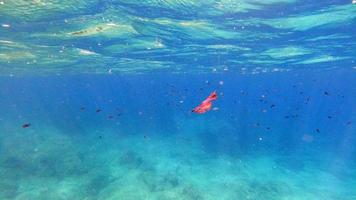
point(152, 147)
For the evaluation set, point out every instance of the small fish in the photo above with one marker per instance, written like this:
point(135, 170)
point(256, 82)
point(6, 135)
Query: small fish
point(349, 123)
point(110, 117)
point(206, 104)
point(326, 93)
point(98, 110)
point(82, 108)
point(330, 117)
point(26, 125)
point(317, 130)
point(272, 106)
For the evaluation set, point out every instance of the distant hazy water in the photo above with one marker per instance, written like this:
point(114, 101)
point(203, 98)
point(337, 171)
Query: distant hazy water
point(146, 144)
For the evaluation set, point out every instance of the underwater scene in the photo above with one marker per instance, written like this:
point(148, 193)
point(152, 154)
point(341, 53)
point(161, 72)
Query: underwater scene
point(177, 100)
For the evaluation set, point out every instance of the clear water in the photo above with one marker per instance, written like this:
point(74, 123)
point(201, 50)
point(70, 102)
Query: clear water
point(107, 88)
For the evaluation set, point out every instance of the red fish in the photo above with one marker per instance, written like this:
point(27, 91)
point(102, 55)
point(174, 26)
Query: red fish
point(206, 104)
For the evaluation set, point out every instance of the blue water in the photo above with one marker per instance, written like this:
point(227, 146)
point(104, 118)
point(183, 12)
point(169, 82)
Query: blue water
point(153, 147)
point(96, 100)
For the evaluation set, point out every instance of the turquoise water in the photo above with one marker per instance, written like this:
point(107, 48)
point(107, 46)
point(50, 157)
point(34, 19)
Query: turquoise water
point(153, 147)
point(96, 100)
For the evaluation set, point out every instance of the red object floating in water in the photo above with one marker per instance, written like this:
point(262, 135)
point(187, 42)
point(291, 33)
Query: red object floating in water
point(26, 125)
point(206, 104)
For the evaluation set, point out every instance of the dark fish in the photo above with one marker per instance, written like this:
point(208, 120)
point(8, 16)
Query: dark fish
point(272, 106)
point(26, 125)
point(317, 130)
point(82, 108)
point(268, 128)
point(326, 93)
point(349, 122)
point(110, 116)
point(98, 110)
point(330, 117)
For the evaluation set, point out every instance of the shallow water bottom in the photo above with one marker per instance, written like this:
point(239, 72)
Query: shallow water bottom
point(107, 164)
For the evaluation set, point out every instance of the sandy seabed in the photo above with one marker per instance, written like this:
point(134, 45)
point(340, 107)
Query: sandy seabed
point(49, 164)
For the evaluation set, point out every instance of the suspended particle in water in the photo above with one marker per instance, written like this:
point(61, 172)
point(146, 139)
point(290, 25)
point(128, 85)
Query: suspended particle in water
point(260, 139)
point(221, 82)
point(307, 138)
